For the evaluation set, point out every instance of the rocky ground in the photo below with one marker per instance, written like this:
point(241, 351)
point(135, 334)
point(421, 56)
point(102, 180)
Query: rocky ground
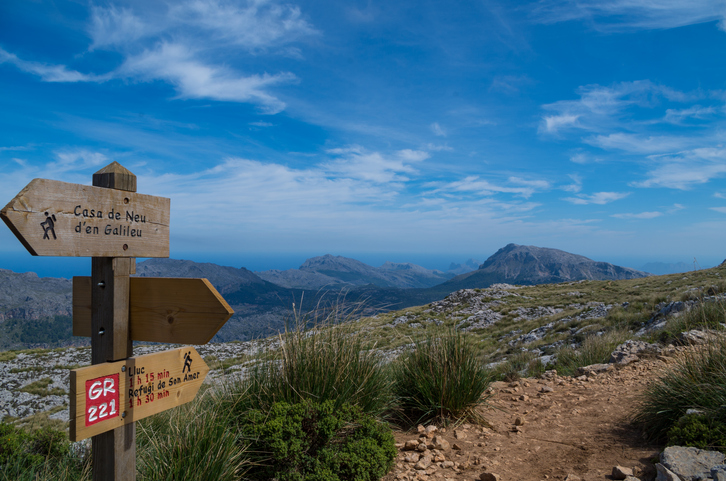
point(37, 381)
point(550, 428)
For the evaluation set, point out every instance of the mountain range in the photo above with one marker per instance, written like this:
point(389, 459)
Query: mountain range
point(263, 300)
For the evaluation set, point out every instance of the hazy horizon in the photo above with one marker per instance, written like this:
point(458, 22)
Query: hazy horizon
point(68, 266)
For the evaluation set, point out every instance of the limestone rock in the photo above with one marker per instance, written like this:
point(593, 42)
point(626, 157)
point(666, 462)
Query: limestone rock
point(690, 464)
point(621, 472)
point(489, 477)
point(441, 444)
point(664, 474)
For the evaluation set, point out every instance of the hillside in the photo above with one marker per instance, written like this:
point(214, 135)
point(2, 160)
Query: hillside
point(518, 330)
point(262, 307)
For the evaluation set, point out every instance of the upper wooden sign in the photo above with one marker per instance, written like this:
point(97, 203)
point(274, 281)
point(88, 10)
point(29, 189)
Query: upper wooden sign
point(108, 395)
point(53, 218)
point(161, 309)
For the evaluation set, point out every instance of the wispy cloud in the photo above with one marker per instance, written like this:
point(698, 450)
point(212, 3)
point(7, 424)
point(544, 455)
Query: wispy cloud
point(697, 112)
point(599, 106)
point(686, 169)
point(599, 198)
point(720, 195)
point(641, 215)
point(49, 73)
point(178, 43)
point(628, 15)
point(719, 209)
point(357, 163)
point(575, 186)
point(641, 144)
point(194, 79)
point(437, 130)
point(481, 187)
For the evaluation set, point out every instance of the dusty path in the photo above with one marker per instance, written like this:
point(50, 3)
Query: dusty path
point(571, 428)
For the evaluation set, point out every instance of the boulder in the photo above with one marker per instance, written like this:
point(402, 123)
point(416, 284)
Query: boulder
point(690, 464)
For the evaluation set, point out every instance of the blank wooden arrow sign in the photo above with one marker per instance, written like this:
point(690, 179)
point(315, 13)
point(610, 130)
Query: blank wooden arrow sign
point(108, 395)
point(175, 310)
point(53, 218)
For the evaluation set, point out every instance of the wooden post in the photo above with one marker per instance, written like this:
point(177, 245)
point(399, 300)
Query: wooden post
point(114, 452)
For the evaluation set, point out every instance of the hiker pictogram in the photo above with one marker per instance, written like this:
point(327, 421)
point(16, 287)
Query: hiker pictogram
point(187, 363)
point(48, 226)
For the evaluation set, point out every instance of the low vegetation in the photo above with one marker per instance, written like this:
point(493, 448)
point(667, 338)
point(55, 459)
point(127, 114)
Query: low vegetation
point(697, 382)
point(321, 404)
point(441, 380)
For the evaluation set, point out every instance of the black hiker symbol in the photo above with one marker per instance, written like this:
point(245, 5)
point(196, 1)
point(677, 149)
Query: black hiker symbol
point(187, 362)
point(48, 226)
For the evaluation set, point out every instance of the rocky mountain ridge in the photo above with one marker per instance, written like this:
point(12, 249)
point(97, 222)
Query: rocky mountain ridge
point(530, 265)
point(335, 272)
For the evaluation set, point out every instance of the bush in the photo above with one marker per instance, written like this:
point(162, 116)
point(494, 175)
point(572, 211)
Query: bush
point(321, 364)
point(593, 350)
point(697, 381)
point(43, 454)
point(525, 363)
point(192, 442)
point(700, 431)
point(441, 380)
point(317, 442)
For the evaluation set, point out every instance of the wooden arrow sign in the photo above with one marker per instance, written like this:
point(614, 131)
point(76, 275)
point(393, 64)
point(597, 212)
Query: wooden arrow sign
point(109, 395)
point(53, 218)
point(183, 311)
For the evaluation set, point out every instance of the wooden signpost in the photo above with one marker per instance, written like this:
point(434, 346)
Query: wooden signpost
point(109, 395)
point(113, 224)
point(181, 311)
point(54, 218)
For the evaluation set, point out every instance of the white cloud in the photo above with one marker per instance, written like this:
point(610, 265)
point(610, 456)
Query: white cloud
point(261, 124)
point(193, 79)
point(679, 116)
point(475, 184)
point(356, 163)
point(118, 27)
point(600, 107)
point(575, 186)
point(553, 123)
point(256, 24)
point(49, 73)
point(686, 169)
point(627, 15)
point(535, 184)
point(719, 209)
point(184, 43)
point(640, 144)
point(641, 215)
point(437, 130)
point(720, 195)
point(599, 198)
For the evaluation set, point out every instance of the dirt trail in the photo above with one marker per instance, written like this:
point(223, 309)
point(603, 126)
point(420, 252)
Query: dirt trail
point(576, 427)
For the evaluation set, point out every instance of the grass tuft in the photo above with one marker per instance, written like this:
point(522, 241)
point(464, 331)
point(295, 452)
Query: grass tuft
point(442, 380)
point(697, 381)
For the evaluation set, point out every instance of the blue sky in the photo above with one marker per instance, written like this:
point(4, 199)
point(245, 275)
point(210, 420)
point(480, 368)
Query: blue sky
point(382, 130)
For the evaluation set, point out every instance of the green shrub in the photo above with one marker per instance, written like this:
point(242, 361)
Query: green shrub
point(442, 379)
point(697, 381)
point(704, 315)
point(524, 363)
point(194, 442)
point(43, 454)
point(317, 442)
point(593, 350)
point(321, 364)
point(699, 430)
